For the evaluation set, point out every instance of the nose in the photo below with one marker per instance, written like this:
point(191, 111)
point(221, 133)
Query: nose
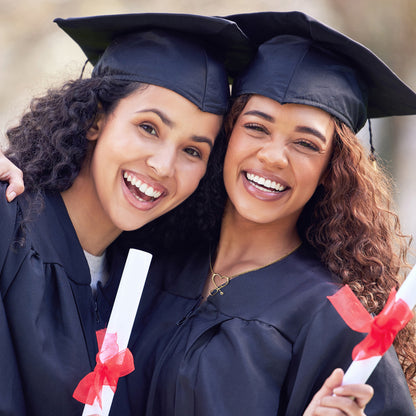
point(162, 161)
point(273, 154)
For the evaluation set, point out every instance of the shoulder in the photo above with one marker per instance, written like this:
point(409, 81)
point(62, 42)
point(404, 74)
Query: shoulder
point(305, 295)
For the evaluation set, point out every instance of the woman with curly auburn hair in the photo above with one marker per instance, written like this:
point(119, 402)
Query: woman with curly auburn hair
point(100, 156)
point(241, 323)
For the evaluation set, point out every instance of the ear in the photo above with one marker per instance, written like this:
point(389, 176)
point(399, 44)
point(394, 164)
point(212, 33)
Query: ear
point(93, 133)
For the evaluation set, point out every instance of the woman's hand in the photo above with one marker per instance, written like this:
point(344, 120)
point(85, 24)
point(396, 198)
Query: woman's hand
point(336, 400)
point(12, 174)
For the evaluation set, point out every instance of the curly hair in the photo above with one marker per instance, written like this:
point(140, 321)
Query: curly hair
point(351, 224)
point(49, 144)
point(349, 221)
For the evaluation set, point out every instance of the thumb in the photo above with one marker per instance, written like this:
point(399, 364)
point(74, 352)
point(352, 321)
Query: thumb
point(334, 380)
point(13, 175)
point(15, 188)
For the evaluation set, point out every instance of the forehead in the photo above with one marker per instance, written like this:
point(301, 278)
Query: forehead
point(296, 113)
point(174, 110)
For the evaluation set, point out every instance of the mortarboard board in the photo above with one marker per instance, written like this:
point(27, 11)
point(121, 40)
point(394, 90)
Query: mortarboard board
point(301, 60)
point(182, 52)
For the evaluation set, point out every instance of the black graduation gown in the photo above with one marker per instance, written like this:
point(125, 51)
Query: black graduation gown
point(48, 316)
point(263, 348)
point(48, 320)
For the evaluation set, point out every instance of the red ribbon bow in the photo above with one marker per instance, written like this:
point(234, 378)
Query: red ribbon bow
point(381, 329)
point(111, 365)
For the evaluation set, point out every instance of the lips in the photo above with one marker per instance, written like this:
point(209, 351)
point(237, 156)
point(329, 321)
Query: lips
point(141, 190)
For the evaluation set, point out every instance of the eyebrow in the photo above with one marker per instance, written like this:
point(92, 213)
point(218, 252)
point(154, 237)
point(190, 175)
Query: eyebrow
point(299, 129)
point(202, 139)
point(310, 130)
point(260, 114)
point(165, 119)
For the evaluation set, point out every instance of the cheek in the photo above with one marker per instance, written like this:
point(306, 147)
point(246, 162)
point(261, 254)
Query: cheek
point(228, 170)
point(188, 179)
point(312, 175)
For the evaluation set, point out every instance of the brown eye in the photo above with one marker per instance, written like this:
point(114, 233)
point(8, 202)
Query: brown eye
point(308, 145)
point(193, 152)
point(148, 128)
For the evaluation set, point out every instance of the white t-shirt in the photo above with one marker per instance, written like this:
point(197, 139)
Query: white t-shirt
point(98, 270)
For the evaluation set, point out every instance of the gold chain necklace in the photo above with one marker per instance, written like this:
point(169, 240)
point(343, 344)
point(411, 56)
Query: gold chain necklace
point(220, 281)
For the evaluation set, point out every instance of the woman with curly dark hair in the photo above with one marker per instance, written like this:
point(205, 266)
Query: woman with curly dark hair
point(100, 156)
point(241, 323)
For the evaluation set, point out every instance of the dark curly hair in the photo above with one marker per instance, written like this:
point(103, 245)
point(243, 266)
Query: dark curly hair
point(49, 144)
point(349, 221)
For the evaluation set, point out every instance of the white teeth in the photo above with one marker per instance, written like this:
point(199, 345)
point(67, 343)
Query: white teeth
point(151, 192)
point(265, 183)
point(142, 187)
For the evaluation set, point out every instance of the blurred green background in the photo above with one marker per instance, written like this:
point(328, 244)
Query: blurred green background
point(36, 54)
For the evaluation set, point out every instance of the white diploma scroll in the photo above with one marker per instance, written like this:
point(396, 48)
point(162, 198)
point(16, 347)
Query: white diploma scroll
point(123, 315)
point(360, 370)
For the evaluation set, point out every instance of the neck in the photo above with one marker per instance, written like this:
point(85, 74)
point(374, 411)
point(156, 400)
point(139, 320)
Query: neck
point(246, 245)
point(94, 230)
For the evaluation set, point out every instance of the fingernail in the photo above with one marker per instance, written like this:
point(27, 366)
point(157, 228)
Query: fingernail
point(11, 195)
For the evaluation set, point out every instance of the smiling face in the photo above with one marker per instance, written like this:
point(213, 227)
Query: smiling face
point(151, 152)
point(276, 157)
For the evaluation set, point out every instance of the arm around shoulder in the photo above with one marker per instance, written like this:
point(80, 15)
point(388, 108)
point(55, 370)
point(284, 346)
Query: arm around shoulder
point(8, 218)
point(13, 175)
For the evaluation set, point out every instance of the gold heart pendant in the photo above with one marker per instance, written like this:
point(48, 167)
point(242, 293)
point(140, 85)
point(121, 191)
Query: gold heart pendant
point(222, 282)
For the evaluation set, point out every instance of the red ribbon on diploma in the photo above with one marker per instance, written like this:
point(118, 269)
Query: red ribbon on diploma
point(381, 329)
point(111, 365)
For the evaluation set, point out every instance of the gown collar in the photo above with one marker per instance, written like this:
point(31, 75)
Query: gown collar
point(56, 238)
point(298, 271)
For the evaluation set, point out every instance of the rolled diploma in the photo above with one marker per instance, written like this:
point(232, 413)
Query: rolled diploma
point(359, 371)
point(123, 314)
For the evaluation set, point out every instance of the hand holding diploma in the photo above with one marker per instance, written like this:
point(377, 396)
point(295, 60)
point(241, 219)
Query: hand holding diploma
point(350, 399)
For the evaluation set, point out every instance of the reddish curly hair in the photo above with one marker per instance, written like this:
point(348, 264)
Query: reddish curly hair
point(350, 221)
point(353, 226)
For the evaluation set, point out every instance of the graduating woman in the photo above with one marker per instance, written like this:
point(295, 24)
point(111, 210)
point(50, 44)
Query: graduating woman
point(242, 325)
point(100, 155)
point(231, 381)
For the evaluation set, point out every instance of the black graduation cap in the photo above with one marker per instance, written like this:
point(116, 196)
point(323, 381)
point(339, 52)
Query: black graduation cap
point(303, 61)
point(182, 52)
